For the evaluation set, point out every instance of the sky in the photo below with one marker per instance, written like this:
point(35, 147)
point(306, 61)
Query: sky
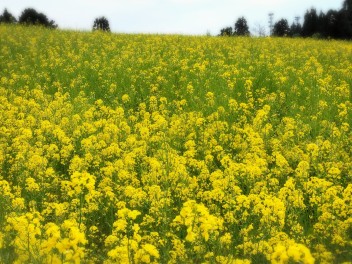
point(191, 17)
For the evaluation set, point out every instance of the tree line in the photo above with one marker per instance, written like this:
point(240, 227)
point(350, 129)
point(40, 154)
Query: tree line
point(336, 24)
point(30, 16)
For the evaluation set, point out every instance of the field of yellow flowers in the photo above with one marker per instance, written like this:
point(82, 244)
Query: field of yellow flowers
point(174, 149)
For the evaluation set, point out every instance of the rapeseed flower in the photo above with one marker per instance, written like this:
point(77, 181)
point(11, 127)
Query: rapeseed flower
point(173, 149)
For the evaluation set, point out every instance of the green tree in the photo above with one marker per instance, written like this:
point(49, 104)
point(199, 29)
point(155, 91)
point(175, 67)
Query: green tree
point(346, 18)
point(30, 16)
point(329, 24)
point(101, 23)
point(347, 5)
point(281, 28)
point(311, 23)
point(241, 27)
point(344, 24)
point(7, 17)
point(295, 30)
point(335, 24)
point(227, 31)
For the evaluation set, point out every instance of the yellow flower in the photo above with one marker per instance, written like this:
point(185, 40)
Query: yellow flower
point(1, 240)
point(151, 250)
point(31, 185)
point(334, 172)
point(125, 98)
point(302, 169)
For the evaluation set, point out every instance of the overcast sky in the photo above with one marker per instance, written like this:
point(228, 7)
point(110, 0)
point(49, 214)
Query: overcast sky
point(167, 16)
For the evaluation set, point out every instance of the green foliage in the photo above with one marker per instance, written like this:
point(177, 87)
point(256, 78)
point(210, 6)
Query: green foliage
point(311, 23)
point(30, 16)
point(281, 28)
point(7, 17)
point(227, 32)
point(101, 23)
point(335, 24)
point(295, 30)
point(347, 5)
point(241, 27)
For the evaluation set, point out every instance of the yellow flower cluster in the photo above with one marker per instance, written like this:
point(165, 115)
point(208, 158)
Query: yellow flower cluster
point(173, 149)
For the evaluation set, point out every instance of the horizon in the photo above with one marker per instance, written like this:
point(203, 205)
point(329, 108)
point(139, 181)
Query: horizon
point(192, 17)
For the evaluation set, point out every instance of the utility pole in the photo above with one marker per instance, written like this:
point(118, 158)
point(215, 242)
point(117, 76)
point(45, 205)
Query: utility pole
point(271, 22)
point(297, 18)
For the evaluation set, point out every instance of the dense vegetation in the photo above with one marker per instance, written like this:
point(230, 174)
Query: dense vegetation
point(173, 149)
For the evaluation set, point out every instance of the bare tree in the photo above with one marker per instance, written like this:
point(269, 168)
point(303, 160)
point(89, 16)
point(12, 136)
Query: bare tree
point(259, 30)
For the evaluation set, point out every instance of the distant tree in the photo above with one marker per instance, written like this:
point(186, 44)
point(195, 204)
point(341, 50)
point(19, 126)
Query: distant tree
point(227, 31)
point(346, 18)
point(31, 17)
point(241, 27)
point(344, 25)
point(281, 28)
point(259, 30)
point(7, 17)
point(296, 28)
point(311, 23)
point(101, 23)
point(334, 24)
point(347, 5)
point(329, 27)
point(321, 24)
